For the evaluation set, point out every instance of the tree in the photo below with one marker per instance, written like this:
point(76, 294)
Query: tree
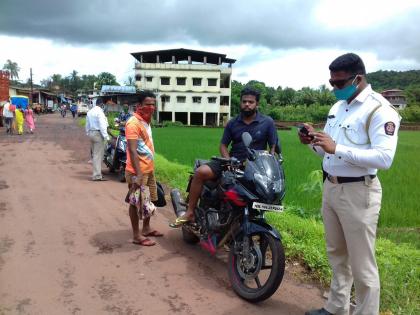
point(74, 81)
point(106, 78)
point(413, 95)
point(305, 96)
point(325, 96)
point(130, 81)
point(47, 83)
point(283, 97)
point(235, 97)
point(13, 68)
point(88, 81)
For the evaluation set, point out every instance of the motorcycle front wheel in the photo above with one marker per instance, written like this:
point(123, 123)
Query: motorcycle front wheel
point(257, 275)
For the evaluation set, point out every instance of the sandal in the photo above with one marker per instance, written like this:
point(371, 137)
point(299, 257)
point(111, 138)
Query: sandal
point(154, 233)
point(179, 221)
point(144, 242)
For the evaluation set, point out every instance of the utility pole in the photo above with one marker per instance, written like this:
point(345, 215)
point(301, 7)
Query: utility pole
point(32, 89)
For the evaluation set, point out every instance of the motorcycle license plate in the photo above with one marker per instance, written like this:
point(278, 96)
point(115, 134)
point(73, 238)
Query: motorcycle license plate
point(267, 207)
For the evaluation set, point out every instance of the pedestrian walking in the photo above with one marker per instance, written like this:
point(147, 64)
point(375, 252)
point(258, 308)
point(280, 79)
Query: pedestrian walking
point(19, 120)
point(30, 119)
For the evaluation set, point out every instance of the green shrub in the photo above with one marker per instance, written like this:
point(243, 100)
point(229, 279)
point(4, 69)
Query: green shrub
point(167, 123)
point(313, 113)
point(410, 114)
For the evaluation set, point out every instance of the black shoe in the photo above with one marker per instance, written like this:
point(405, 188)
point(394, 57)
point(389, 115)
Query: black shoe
point(321, 311)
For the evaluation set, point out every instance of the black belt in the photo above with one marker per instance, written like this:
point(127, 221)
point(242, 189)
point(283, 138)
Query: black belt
point(94, 130)
point(342, 180)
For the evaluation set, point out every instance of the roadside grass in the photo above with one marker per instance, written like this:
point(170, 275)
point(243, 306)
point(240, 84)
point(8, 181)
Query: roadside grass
point(398, 243)
point(400, 203)
point(303, 239)
point(82, 121)
point(398, 263)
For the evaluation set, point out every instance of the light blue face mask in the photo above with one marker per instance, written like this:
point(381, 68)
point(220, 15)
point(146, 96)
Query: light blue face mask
point(345, 93)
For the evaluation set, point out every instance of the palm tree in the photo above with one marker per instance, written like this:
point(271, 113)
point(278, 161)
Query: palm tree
point(74, 80)
point(13, 68)
point(130, 81)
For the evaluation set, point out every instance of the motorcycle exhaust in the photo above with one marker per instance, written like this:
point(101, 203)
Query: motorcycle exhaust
point(178, 203)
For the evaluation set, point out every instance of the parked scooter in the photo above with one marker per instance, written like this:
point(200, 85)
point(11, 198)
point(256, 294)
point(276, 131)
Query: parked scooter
point(115, 156)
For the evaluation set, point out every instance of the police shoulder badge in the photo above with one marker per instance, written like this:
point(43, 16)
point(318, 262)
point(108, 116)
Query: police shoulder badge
point(389, 128)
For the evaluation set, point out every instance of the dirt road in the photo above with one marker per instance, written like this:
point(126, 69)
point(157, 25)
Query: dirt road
point(65, 242)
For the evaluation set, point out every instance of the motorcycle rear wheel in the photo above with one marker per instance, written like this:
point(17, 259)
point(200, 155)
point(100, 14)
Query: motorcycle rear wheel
point(245, 275)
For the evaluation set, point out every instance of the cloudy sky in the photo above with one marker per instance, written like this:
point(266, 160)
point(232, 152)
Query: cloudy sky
point(283, 42)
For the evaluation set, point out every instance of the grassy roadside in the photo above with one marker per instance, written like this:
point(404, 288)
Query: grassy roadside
point(304, 241)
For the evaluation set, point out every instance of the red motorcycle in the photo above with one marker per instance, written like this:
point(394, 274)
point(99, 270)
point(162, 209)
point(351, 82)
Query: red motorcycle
point(231, 212)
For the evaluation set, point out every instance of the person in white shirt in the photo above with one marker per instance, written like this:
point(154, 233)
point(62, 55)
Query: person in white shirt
point(360, 137)
point(8, 118)
point(96, 129)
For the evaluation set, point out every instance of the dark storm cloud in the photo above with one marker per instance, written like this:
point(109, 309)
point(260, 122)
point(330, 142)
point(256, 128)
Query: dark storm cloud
point(272, 24)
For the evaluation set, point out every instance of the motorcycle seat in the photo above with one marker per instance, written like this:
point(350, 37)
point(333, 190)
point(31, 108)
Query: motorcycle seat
point(198, 163)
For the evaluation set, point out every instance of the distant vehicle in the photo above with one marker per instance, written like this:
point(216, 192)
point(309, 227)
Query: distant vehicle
point(50, 106)
point(20, 101)
point(82, 109)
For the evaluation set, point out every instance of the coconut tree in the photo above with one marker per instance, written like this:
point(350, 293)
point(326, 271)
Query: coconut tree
point(13, 68)
point(130, 81)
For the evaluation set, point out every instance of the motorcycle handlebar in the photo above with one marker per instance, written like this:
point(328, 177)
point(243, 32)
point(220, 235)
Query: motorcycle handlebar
point(231, 160)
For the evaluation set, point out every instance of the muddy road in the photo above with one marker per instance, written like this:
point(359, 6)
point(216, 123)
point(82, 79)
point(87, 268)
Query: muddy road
point(65, 242)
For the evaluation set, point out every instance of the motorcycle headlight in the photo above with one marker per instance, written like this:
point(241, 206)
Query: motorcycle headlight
point(269, 185)
point(262, 179)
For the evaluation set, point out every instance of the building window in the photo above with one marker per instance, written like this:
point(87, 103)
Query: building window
point(197, 81)
point(212, 100)
point(149, 79)
point(212, 82)
point(164, 80)
point(181, 81)
point(138, 77)
point(165, 98)
point(224, 100)
point(181, 99)
point(196, 99)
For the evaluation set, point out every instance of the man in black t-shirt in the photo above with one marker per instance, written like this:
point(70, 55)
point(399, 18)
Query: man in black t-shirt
point(263, 133)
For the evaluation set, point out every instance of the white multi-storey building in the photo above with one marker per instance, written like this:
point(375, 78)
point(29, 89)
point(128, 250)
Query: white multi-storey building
point(191, 86)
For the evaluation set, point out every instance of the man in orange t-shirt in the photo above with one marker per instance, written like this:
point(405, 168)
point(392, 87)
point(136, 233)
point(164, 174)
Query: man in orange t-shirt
point(140, 163)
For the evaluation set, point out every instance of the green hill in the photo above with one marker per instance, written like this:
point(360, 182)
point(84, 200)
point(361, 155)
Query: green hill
point(384, 80)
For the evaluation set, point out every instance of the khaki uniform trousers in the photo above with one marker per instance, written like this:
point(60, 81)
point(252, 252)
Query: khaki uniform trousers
point(350, 213)
point(98, 146)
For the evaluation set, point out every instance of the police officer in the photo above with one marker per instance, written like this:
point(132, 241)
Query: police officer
point(360, 137)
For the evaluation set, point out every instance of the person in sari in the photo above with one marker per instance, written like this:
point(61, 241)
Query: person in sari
point(19, 120)
point(29, 119)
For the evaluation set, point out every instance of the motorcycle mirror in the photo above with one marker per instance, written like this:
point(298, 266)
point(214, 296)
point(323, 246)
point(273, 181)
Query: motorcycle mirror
point(246, 139)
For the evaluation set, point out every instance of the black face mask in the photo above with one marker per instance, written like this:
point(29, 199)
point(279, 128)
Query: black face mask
point(248, 113)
